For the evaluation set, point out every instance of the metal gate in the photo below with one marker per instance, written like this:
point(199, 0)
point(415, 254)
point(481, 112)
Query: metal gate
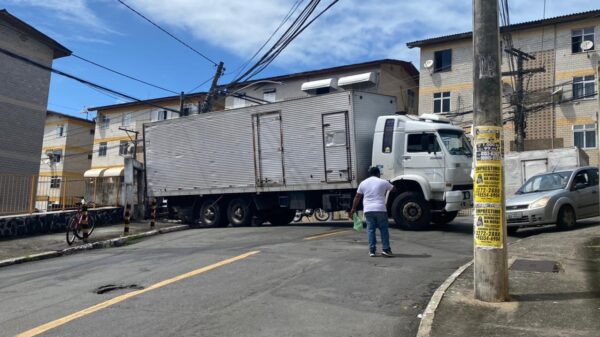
point(336, 147)
point(268, 149)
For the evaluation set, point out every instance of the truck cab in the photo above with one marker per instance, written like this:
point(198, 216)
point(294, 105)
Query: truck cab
point(429, 161)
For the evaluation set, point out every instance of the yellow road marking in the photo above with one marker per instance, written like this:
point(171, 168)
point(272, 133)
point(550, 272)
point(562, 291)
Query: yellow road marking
point(345, 231)
point(56, 323)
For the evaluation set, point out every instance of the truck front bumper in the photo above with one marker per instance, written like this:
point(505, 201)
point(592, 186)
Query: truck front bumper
point(457, 200)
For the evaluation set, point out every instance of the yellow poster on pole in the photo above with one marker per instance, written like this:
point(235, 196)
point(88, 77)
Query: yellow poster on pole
point(488, 187)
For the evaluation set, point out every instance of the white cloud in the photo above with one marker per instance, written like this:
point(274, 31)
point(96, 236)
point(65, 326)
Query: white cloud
point(76, 12)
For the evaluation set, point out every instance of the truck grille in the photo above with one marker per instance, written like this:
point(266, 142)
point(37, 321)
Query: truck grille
point(465, 187)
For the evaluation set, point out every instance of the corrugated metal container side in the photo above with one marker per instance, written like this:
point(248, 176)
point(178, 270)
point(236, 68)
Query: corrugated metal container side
point(218, 153)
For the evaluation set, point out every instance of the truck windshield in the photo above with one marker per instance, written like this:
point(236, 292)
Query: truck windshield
point(456, 143)
point(545, 182)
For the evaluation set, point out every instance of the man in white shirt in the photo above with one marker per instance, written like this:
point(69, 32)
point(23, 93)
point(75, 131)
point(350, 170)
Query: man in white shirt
point(372, 192)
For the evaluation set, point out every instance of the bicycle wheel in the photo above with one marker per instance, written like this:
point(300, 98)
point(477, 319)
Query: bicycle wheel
point(71, 230)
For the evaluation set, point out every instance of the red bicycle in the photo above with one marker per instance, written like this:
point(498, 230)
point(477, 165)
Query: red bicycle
point(81, 225)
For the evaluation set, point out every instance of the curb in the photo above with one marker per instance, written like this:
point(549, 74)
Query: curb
point(116, 242)
point(429, 313)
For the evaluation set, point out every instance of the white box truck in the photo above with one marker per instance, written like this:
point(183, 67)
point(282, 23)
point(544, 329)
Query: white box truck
point(270, 160)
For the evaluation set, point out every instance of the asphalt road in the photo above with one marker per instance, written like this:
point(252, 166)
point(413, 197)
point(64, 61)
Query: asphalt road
point(295, 281)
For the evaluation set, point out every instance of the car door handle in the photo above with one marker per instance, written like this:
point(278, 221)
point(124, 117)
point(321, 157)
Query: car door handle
point(407, 157)
point(435, 158)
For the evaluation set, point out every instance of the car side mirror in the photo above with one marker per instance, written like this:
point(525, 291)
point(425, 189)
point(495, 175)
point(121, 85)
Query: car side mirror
point(579, 186)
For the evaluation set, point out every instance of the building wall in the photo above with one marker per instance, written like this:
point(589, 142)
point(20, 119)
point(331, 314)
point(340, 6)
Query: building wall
point(23, 101)
point(551, 45)
point(390, 80)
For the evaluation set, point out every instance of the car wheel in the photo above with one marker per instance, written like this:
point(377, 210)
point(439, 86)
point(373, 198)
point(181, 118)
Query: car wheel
point(411, 211)
point(566, 217)
point(443, 218)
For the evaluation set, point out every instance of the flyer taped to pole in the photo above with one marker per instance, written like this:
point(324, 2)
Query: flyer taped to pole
point(488, 187)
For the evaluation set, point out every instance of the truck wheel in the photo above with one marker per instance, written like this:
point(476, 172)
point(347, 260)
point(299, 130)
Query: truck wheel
point(280, 216)
point(566, 218)
point(411, 211)
point(443, 218)
point(212, 213)
point(239, 212)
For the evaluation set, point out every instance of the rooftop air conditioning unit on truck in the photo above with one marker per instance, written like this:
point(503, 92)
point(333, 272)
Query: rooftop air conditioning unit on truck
point(273, 159)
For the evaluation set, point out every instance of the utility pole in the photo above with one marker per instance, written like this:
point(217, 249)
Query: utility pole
point(520, 121)
point(490, 268)
point(206, 106)
point(181, 99)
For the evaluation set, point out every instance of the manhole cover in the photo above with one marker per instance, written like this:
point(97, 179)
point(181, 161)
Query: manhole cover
point(111, 287)
point(536, 265)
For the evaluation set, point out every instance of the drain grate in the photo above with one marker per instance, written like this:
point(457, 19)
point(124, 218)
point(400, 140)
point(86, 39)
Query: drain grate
point(111, 287)
point(541, 266)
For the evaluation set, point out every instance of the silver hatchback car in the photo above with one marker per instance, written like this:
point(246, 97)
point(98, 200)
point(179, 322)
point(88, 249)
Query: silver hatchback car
point(554, 197)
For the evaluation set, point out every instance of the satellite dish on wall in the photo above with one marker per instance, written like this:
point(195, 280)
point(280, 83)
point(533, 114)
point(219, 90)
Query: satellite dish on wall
point(428, 64)
point(586, 45)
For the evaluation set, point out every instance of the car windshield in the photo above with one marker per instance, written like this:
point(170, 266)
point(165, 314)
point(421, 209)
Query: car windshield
point(456, 142)
point(546, 182)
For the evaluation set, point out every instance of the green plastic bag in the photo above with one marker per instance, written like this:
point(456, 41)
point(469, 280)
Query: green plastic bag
point(358, 224)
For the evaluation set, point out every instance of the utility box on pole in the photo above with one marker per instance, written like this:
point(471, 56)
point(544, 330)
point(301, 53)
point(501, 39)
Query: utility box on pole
point(490, 270)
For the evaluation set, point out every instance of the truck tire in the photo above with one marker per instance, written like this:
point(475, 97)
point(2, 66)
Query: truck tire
point(411, 211)
point(279, 216)
point(211, 213)
point(239, 212)
point(443, 218)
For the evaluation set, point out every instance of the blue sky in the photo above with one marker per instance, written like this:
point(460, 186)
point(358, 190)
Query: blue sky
point(352, 31)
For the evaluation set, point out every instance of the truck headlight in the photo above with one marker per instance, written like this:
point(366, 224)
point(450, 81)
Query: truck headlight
point(539, 203)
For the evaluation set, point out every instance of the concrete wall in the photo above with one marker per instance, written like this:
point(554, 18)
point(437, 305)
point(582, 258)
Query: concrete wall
point(53, 222)
point(551, 45)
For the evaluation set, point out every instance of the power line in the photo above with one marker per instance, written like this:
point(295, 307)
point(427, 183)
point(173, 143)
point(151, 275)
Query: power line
point(124, 75)
point(166, 32)
point(81, 80)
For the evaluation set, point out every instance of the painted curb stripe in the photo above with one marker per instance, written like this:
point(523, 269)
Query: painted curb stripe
point(56, 323)
point(345, 231)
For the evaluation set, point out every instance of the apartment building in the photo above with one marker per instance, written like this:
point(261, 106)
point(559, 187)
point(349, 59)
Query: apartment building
point(23, 104)
point(66, 155)
point(118, 135)
point(387, 77)
point(561, 101)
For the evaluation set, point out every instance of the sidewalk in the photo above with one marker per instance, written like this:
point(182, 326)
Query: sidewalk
point(56, 242)
point(563, 303)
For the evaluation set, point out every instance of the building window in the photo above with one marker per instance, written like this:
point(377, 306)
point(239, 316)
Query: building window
point(422, 142)
point(102, 149)
point(270, 95)
point(55, 156)
point(584, 136)
point(580, 35)
point(239, 102)
point(123, 147)
point(411, 98)
point(584, 87)
point(162, 115)
point(92, 131)
point(54, 182)
point(321, 91)
point(60, 130)
point(441, 102)
point(442, 60)
point(89, 156)
point(388, 136)
point(104, 122)
point(126, 118)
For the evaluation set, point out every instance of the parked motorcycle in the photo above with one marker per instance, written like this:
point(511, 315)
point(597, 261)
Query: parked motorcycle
point(318, 213)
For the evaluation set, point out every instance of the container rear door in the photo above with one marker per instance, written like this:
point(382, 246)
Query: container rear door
point(269, 149)
point(336, 147)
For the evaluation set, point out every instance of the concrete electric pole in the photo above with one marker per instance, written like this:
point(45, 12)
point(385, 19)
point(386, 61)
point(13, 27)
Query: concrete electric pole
point(490, 269)
point(206, 106)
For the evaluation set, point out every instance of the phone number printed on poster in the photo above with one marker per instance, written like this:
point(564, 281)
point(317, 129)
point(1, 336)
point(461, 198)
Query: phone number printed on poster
point(488, 226)
point(488, 183)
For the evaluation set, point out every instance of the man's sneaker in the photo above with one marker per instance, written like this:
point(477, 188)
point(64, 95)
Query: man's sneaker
point(372, 254)
point(387, 253)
